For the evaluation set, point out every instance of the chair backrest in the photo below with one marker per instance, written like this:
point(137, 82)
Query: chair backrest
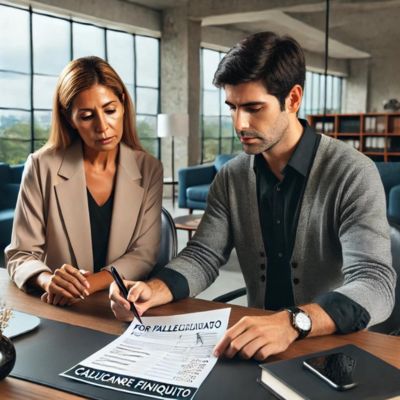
point(221, 159)
point(169, 241)
point(390, 175)
point(10, 180)
point(393, 322)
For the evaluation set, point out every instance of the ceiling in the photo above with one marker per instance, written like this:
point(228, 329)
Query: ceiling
point(358, 28)
point(160, 4)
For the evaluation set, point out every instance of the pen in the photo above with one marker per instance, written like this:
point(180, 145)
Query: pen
point(124, 291)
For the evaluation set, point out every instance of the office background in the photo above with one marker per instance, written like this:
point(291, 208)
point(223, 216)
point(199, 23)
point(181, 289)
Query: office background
point(166, 51)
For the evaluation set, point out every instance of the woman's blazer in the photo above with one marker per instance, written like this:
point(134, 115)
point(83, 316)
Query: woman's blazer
point(52, 225)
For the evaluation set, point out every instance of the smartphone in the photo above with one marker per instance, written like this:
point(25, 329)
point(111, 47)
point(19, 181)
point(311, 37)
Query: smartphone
point(336, 369)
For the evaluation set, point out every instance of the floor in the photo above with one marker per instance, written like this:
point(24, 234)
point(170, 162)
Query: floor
point(230, 277)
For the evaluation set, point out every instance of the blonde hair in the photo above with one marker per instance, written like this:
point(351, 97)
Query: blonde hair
point(79, 75)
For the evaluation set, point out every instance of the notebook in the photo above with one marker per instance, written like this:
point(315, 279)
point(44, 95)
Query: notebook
point(375, 378)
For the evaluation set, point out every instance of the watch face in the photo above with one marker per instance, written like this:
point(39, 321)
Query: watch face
point(303, 321)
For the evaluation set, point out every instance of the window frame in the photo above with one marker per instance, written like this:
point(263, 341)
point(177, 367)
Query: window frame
point(219, 138)
point(335, 100)
point(34, 140)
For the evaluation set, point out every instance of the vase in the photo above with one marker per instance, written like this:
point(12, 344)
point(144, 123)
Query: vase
point(7, 356)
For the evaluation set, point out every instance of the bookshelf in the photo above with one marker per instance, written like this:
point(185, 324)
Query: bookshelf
point(377, 135)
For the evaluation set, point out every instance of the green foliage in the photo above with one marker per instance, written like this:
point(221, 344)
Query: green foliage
point(211, 127)
point(146, 127)
point(13, 151)
point(15, 143)
point(210, 149)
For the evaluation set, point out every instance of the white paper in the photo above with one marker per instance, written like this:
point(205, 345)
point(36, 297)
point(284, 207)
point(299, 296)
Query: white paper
point(166, 357)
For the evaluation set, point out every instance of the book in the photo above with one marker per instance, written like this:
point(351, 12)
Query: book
point(349, 125)
point(375, 378)
point(396, 125)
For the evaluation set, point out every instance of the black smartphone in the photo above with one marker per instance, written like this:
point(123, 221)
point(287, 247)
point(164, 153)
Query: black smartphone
point(336, 369)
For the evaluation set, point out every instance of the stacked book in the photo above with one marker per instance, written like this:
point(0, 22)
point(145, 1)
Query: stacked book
point(374, 143)
point(325, 127)
point(374, 124)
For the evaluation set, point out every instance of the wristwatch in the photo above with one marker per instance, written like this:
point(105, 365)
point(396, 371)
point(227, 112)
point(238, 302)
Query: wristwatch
point(300, 320)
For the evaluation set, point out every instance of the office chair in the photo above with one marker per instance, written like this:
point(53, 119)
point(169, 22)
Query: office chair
point(169, 241)
point(392, 324)
point(232, 295)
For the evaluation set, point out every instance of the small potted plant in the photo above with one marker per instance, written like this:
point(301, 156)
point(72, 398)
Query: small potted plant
point(7, 349)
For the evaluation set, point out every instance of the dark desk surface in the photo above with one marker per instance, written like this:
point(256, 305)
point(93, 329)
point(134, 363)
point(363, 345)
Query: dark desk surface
point(96, 314)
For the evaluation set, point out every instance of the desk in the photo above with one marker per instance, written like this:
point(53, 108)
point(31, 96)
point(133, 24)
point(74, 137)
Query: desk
point(96, 314)
point(188, 223)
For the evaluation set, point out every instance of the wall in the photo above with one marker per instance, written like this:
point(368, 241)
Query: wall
point(384, 82)
point(356, 88)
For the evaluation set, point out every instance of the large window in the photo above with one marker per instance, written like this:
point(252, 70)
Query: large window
point(35, 46)
point(217, 131)
point(314, 94)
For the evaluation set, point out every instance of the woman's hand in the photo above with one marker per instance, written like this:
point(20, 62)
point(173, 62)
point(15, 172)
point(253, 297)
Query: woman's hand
point(65, 286)
point(57, 300)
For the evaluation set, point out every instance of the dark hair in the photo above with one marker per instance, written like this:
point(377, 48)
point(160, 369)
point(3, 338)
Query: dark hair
point(276, 61)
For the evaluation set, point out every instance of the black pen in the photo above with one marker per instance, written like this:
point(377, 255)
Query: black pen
point(124, 291)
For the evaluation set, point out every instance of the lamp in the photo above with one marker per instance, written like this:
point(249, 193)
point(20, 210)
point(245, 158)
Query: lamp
point(173, 125)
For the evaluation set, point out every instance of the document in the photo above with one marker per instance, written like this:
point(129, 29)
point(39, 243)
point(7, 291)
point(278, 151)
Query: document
point(166, 357)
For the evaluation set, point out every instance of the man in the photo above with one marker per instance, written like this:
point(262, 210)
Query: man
point(306, 214)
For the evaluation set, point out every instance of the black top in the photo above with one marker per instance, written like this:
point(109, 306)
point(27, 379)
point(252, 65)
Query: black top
point(100, 223)
point(279, 205)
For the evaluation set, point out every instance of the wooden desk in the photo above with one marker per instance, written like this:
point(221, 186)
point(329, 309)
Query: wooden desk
point(188, 223)
point(96, 314)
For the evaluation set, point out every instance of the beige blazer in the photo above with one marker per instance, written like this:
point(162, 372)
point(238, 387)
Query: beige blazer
point(52, 225)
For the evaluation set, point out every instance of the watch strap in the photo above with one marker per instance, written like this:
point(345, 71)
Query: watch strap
point(293, 311)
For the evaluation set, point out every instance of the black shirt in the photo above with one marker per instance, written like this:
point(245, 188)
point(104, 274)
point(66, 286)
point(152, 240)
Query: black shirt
point(100, 223)
point(279, 204)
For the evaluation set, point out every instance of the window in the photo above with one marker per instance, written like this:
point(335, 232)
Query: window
point(31, 60)
point(216, 123)
point(314, 94)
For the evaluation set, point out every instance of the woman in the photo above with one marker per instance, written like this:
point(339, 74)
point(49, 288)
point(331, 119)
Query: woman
point(91, 197)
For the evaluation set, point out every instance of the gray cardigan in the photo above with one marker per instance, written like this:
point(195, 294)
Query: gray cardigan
point(342, 241)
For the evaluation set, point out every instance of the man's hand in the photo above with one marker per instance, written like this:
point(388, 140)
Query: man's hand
point(261, 337)
point(143, 295)
point(257, 337)
point(64, 287)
